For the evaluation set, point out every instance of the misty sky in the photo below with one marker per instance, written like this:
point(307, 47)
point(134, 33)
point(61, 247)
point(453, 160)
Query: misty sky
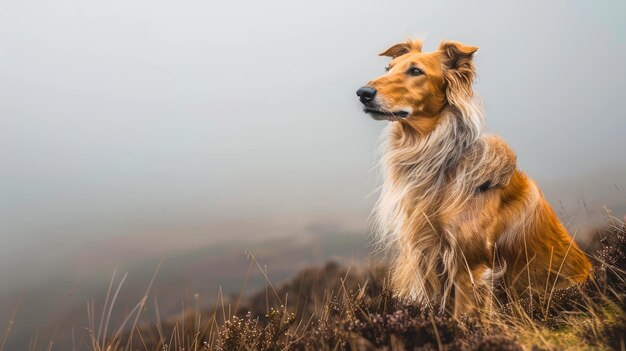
point(119, 117)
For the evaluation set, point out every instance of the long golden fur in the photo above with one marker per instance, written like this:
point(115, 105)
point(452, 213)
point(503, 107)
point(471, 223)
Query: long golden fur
point(454, 208)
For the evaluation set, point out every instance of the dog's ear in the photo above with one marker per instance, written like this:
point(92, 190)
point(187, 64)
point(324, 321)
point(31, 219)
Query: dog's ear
point(459, 70)
point(396, 50)
point(456, 54)
point(402, 48)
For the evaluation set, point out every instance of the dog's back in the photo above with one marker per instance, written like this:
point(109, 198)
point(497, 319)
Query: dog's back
point(509, 222)
point(539, 253)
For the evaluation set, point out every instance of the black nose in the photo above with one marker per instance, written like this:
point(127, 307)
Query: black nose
point(366, 94)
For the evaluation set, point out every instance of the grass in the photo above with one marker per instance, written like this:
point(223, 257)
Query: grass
point(351, 308)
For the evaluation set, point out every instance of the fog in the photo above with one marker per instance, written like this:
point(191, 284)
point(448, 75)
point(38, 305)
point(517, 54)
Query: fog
point(218, 120)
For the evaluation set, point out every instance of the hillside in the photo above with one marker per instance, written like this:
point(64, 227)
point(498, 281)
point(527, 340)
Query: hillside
point(55, 310)
point(349, 308)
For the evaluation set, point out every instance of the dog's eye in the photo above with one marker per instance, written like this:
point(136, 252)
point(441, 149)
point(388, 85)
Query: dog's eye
point(414, 71)
point(387, 68)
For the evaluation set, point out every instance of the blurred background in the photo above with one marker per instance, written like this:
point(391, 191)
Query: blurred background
point(134, 132)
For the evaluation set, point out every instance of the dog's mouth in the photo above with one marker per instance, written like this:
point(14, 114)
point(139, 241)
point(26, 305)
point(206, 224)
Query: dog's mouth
point(375, 112)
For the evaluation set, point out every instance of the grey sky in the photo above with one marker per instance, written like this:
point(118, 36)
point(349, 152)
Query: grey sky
point(119, 117)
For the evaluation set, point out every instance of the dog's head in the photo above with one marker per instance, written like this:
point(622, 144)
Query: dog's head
point(417, 85)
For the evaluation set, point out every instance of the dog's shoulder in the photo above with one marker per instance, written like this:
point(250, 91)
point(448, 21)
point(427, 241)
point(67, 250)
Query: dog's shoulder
point(495, 163)
point(499, 150)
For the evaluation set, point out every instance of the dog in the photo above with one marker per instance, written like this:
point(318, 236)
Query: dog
point(454, 209)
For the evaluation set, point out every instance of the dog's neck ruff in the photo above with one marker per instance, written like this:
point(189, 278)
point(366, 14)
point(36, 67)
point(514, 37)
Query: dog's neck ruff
point(418, 164)
point(415, 170)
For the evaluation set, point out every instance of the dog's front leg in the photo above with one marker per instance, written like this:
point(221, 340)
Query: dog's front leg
point(471, 293)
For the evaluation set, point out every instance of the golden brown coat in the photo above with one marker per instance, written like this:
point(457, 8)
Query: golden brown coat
point(454, 208)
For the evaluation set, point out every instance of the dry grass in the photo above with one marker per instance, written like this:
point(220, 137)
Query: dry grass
point(350, 308)
point(340, 308)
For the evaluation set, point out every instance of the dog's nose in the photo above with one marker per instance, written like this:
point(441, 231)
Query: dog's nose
point(366, 94)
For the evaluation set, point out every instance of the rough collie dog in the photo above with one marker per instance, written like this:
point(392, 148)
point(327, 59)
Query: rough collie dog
point(454, 208)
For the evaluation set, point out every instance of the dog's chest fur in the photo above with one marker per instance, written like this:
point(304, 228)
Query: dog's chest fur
point(428, 181)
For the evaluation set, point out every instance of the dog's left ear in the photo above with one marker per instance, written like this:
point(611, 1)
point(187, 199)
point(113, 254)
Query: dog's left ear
point(459, 71)
point(456, 55)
